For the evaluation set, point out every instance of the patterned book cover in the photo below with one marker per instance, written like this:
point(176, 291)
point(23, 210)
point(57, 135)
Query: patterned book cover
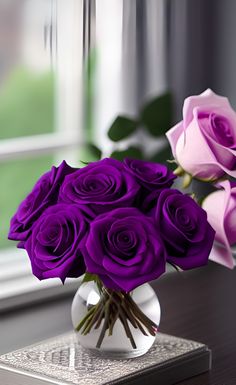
point(62, 361)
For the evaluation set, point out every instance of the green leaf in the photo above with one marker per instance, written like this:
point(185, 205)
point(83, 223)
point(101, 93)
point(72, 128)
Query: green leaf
point(163, 156)
point(94, 151)
point(156, 116)
point(121, 128)
point(131, 152)
point(89, 277)
point(88, 153)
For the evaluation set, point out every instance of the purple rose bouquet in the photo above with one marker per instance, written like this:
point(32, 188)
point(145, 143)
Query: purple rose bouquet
point(119, 223)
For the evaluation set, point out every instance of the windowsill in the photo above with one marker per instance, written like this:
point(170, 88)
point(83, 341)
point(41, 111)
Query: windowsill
point(19, 287)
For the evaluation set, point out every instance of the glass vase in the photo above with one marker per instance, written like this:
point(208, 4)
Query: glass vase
point(117, 345)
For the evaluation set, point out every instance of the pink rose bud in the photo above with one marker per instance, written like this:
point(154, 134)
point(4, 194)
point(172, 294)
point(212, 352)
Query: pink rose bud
point(221, 214)
point(204, 142)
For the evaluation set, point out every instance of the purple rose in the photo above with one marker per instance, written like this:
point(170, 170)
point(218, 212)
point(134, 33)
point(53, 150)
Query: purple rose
point(221, 212)
point(44, 194)
point(204, 143)
point(183, 225)
point(54, 246)
point(152, 176)
point(103, 185)
point(124, 248)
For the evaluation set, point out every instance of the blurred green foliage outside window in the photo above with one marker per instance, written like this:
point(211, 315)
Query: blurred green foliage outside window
point(26, 108)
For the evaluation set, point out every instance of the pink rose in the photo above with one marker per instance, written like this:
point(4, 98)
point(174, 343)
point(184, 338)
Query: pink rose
point(221, 214)
point(204, 142)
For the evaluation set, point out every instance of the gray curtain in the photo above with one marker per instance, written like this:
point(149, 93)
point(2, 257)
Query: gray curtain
point(201, 49)
point(144, 50)
point(185, 46)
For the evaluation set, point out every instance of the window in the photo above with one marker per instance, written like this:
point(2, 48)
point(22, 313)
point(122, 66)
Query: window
point(40, 115)
point(43, 44)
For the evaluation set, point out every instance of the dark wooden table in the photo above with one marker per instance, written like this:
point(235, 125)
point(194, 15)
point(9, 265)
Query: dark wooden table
point(201, 305)
point(198, 304)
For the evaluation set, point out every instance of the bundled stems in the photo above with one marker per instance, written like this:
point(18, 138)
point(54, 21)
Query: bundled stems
point(112, 306)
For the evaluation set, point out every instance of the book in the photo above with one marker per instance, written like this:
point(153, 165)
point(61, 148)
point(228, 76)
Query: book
point(62, 361)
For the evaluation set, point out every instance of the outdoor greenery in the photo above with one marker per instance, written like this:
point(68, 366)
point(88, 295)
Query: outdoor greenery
point(26, 108)
point(26, 104)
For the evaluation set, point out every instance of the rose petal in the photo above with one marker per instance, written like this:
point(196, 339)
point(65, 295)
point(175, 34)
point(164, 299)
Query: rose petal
point(190, 141)
point(206, 98)
point(221, 252)
point(120, 265)
point(173, 136)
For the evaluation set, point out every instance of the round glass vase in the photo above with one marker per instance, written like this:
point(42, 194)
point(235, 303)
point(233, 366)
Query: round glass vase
point(117, 345)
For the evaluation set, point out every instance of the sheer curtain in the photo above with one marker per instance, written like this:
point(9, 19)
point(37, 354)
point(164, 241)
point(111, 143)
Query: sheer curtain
point(130, 42)
point(147, 46)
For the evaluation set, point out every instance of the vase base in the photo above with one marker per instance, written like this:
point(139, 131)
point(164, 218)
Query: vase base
point(116, 355)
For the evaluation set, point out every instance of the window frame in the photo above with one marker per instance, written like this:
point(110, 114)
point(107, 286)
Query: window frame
point(32, 146)
point(66, 24)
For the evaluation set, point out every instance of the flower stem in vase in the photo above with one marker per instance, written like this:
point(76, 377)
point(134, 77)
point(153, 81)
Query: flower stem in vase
point(114, 305)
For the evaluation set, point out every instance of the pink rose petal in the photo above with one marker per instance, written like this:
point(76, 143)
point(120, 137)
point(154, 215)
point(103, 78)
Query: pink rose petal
point(217, 205)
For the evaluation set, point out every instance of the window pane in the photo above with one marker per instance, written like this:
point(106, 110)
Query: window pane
point(26, 74)
point(17, 179)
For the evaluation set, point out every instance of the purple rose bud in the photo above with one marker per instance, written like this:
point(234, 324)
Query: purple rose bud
point(124, 248)
point(44, 194)
point(152, 176)
point(103, 185)
point(183, 225)
point(54, 246)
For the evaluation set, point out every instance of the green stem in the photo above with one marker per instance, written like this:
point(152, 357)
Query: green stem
point(130, 316)
point(142, 316)
point(82, 322)
point(97, 310)
point(105, 324)
point(114, 318)
point(111, 307)
point(99, 320)
point(137, 322)
point(127, 329)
